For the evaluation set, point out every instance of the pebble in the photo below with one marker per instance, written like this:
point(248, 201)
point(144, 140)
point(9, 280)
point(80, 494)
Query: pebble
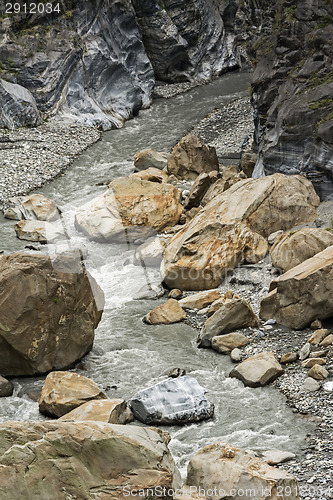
point(304, 351)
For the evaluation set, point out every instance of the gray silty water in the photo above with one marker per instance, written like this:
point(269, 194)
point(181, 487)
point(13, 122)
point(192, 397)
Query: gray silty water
point(129, 355)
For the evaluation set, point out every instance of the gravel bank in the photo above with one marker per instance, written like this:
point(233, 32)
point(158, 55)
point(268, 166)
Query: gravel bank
point(30, 157)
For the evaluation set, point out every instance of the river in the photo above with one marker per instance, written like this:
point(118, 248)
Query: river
point(129, 355)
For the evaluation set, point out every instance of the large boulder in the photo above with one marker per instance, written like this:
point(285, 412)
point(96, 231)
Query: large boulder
point(49, 311)
point(258, 370)
point(150, 158)
point(130, 209)
point(111, 411)
point(191, 157)
point(294, 248)
point(231, 228)
point(228, 472)
point(83, 460)
point(174, 401)
point(169, 312)
point(233, 314)
point(302, 294)
point(64, 391)
point(18, 107)
point(41, 231)
point(32, 207)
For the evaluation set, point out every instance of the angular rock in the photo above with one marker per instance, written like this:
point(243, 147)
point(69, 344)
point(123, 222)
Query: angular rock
point(304, 351)
point(6, 387)
point(150, 253)
point(191, 157)
point(18, 107)
point(200, 300)
point(235, 313)
point(169, 312)
point(289, 357)
point(148, 158)
point(111, 411)
point(318, 372)
point(318, 354)
point(230, 176)
point(231, 470)
point(151, 174)
point(227, 343)
point(294, 248)
point(316, 324)
point(318, 336)
point(129, 209)
point(309, 363)
point(248, 159)
point(258, 370)
point(83, 460)
point(229, 230)
point(327, 341)
point(32, 207)
point(274, 457)
point(64, 391)
point(44, 232)
point(49, 310)
point(174, 401)
point(302, 294)
point(198, 189)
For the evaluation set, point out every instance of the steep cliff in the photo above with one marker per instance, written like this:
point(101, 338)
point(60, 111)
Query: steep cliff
point(89, 61)
point(290, 43)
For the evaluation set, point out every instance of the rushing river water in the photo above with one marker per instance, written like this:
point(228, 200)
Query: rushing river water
point(129, 355)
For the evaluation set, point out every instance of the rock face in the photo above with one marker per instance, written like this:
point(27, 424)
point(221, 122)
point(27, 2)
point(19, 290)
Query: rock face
point(64, 391)
point(231, 470)
point(292, 249)
point(229, 229)
point(170, 312)
point(291, 48)
point(258, 370)
point(32, 207)
point(42, 231)
point(49, 311)
point(129, 209)
point(173, 401)
point(235, 313)
point(302, 294)
point(149, 158)
point(111, 411)
point(86, 460)
point(18, 107)
point(191, 157)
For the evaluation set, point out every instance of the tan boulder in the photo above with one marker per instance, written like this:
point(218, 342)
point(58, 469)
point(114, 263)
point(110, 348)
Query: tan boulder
point(227, 343)
point(258, 370)
point(294, 248)
point(151, 174)
point(302, 294)
point(32, 207)
point(318, 336)
point(150, 158)
point(129, 209)
point(49, 310)
point(64, 391)
point(228, 472)
point(318, 372)
point(170, 312)
point(234, 314)
point(229, 230)
point(42, 231)
point(200, 300)
point(83, 460)
point(191, 157)
point(111, 411)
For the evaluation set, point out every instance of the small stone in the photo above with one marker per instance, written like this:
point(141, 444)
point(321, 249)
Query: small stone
point(310, 385)
point(273, 237)
point(309, 363)
point(318, 336)
point(169, 312)
point(327, 341)
point(274, 457)
point(175, 294)
point(6, 387)
point(316, 324)
point(236, 355)
point(270, 322)
point(226, 343)
point(176, 372)
point(304, 351)
point(318, 354)
point(289, 357)
point(318, 372)
point(267, 327)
